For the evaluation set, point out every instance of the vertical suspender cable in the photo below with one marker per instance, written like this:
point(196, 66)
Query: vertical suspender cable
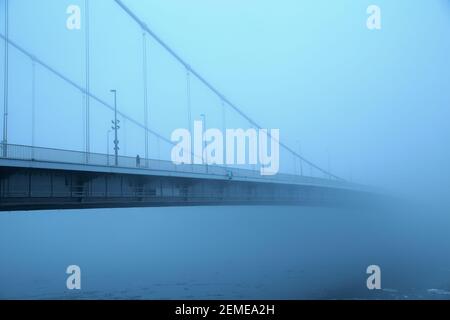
point(144, 73)
point(224, 125)
point(301, 164)
point(189, 107)
point(300, 159)
point(188, 91)
point(33, 104)
point(158, 156)
point(329, 163)
point(5, 83)
point(87, 97)
point(125, 150)
point(296, 171)
point(224, 121)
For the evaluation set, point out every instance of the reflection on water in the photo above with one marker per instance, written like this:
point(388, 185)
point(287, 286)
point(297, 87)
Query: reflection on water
point(226, 253)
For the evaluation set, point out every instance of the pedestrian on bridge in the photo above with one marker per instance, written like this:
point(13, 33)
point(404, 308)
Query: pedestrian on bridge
point(138, 161)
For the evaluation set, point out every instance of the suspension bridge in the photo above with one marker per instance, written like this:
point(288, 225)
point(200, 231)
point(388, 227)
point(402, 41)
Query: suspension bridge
point(39, 177)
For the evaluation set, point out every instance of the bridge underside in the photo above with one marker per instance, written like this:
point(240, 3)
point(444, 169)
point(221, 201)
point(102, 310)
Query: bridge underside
point(46, 189)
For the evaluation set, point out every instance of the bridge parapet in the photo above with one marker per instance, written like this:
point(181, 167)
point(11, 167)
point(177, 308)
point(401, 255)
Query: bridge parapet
point(148, 166)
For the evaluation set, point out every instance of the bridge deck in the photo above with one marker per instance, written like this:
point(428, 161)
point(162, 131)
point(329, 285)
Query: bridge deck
point(57, 159)
point(43, 178)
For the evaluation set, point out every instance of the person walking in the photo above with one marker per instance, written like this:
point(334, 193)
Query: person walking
point(138, 161)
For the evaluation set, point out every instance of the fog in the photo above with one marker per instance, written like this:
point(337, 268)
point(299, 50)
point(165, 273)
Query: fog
point(371, 106)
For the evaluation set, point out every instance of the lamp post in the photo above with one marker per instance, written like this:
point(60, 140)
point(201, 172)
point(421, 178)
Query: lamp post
point(107, 147)
point(329, 164)
point(300, 159)
point(204, 140)
point(115, 127)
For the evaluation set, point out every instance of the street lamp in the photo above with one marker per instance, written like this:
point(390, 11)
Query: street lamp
point(329, 164)
point(300, 159)
point(206, 153)
point(107, 146)
point(115, 127)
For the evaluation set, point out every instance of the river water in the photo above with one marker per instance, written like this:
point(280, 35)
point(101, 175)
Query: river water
point(241, 252)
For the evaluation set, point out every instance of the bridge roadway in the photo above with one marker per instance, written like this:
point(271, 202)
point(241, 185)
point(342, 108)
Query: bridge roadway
point(34, 178)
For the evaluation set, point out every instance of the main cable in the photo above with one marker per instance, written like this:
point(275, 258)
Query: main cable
point(213, 89)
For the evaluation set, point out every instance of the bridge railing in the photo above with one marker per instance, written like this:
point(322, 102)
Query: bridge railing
point(44, 154)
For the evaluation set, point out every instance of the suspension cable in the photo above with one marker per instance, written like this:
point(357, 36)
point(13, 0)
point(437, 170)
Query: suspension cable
point(87, 98)
point(90, 94)
point(33, 103)
point(188, 96)
point(213, 89)
point(145, 79)
point(82, 89)
point(5, 83)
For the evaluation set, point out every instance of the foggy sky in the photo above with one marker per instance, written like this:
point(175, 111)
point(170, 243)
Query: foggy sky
point(375, 101)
